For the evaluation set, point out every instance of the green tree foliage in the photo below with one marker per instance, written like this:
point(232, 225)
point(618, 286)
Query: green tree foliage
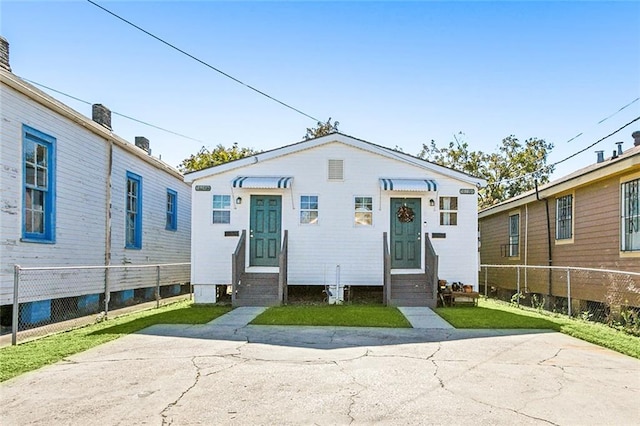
point(322, 129)
point(219, 155)
point(510, 171)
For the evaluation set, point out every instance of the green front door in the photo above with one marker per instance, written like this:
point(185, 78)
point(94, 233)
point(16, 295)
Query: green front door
point(264, 230)
point(405, 233)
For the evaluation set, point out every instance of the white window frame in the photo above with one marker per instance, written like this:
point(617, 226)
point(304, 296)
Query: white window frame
point(448, 211)
point(630, 216)
point(307, 211)
point(362, 208)
point(514, 247)
point(221, 207)
point(564, 214)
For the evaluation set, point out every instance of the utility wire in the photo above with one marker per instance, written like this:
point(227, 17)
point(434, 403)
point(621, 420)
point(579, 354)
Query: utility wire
point(115, 113)
point(569, 157)
point(606, 118)
point(203, 62)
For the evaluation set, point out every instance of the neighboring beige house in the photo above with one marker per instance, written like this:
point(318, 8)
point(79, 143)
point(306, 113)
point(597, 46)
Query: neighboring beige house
point(589, 218)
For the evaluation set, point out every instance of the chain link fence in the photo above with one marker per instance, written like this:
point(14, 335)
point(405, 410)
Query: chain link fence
point(602, 295)
point(48, 300)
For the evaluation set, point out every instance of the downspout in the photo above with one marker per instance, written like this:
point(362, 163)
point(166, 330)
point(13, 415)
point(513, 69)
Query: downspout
point(107, 232)
point(526, 245)
point(550, 261)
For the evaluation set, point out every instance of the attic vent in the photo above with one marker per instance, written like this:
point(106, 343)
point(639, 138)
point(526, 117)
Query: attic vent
point(336, 170)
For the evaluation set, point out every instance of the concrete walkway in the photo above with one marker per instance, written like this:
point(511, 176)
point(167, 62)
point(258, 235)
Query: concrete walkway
point(227, 372)
point(421, 317)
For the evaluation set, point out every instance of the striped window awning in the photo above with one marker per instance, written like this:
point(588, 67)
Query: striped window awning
point(262, 182)
point(417, 185)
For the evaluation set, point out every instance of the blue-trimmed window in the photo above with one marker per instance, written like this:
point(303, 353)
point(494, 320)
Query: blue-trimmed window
point(133, 225)
point(38, 182)
point(172, 210)
point(222, 208)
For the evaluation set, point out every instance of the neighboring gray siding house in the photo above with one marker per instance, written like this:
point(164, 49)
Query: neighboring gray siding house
point(73, 194)
point(332, 211)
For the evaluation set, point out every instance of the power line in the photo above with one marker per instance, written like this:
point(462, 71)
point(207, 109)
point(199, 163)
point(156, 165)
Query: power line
point(606, 118)
point(569, 157)
point(203, 62)
point(115, 113)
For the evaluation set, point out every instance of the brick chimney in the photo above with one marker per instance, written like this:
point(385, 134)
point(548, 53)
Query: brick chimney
point(636, 138)
point(4, 54)
point(101, 115)
point(143, 143)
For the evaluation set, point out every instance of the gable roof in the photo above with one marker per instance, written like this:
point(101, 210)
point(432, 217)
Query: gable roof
point(611, 166)
point(332, 138)
point(13, 81)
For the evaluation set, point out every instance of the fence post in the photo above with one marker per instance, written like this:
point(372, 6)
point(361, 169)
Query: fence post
point(518, 284)
point(107, 291)
point(569, 291)
point(16, 307)
point(486, 268)
point(157, 286)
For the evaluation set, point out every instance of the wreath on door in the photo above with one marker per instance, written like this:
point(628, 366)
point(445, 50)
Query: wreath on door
point(405, 214)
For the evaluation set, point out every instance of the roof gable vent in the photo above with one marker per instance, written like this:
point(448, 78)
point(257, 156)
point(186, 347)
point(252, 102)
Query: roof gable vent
point(336, 170)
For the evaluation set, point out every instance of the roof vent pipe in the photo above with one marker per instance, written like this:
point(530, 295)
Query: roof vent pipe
point(614, 155)
point(619, 147)
point(636, 138)
point(600, 156)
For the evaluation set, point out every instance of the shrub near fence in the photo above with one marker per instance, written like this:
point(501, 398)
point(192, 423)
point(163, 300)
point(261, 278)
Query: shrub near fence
point(52, 296)
point(602, 295)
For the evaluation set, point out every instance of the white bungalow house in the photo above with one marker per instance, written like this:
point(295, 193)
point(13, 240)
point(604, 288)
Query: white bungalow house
point(332, 211)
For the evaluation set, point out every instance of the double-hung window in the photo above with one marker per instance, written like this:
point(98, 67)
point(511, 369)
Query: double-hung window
point(133, 226)
point(449, 211)
point(514, 235)
point(172, 210)
point(309, 209)
point(38, 162)
point(564, 217)
point(630, 215)
point(222, 209)
point(363, 207)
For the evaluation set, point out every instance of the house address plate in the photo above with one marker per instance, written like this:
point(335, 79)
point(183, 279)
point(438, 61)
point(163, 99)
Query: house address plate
point(467, 191)
point(203, 187)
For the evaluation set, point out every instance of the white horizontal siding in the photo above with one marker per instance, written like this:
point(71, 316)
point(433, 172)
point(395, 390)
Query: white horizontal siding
point(316, 250)
point(81, 203)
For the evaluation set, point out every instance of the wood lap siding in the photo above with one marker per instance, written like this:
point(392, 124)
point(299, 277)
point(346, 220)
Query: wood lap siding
point(596, 244)
point(81, 198)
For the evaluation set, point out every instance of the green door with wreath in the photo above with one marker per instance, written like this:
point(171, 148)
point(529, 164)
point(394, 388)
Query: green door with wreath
point(405, 233)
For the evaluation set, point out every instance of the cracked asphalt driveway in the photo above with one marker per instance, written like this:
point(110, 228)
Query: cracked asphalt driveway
point(217, 374)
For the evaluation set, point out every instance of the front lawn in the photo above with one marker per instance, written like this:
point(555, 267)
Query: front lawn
point(501, 315)
point(334, 315)
point(15, 360)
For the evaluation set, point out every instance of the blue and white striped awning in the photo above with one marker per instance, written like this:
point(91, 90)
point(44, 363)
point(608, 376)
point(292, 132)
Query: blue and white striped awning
point(262, 182)
point(417, 185)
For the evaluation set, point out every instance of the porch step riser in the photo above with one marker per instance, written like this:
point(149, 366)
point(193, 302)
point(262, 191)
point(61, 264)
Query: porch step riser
point(257, 290)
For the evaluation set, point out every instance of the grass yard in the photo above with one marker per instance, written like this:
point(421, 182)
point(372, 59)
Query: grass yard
point(501, 315)
point(333, 315)
point(16, 360)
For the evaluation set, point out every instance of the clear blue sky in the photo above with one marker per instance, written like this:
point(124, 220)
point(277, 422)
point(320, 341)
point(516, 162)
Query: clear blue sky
point(393, 73)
